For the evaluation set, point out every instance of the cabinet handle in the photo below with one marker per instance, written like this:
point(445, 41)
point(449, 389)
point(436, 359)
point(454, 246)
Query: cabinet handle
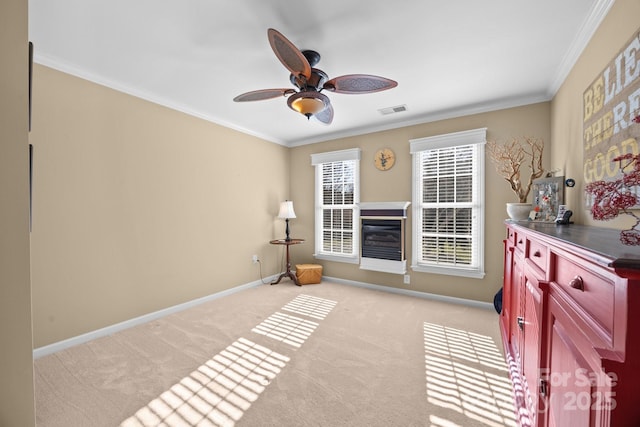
point(542, 387)
point(537, 254)
point(577, 283)
point(520, 321)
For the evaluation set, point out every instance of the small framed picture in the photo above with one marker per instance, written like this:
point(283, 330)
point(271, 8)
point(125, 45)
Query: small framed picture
point(548, 195)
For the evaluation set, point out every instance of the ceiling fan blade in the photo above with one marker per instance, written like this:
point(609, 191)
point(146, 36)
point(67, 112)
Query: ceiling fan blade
point(325, 116)
point(359, 83)
point(290, 56)
point(259, 95)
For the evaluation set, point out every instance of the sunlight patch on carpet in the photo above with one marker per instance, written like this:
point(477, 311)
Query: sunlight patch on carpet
point(437, 421)
point(311, 306)
point(288, 329)
point(519, 394)
point(218, 393)
point(466, 374)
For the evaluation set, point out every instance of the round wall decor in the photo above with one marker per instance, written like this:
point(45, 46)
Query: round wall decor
point(384, 159)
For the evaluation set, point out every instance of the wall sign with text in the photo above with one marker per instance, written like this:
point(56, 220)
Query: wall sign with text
point(610, 104)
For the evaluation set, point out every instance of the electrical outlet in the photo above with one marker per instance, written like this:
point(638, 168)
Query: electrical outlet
point(407, 279)
point(254, 258)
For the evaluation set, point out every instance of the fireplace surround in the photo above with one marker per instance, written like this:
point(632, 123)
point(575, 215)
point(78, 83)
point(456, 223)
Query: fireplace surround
point(382, 236)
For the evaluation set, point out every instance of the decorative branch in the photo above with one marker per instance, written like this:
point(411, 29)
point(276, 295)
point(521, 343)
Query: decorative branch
point(613, 198)
point(509, 157)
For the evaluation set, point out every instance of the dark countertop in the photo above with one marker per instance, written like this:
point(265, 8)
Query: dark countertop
point(603, 242)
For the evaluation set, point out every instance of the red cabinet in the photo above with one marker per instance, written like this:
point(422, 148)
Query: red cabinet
point(571, 301)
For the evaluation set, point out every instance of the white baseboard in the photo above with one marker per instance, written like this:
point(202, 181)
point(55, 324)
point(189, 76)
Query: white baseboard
point(109, 330)
point(409, 292)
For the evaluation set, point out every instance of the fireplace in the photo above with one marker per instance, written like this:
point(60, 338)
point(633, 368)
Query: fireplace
point(382, 239)
point(382, 242)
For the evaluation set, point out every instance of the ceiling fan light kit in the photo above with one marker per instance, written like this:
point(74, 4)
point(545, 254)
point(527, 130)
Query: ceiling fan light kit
point(308, 100)
point(308, 103)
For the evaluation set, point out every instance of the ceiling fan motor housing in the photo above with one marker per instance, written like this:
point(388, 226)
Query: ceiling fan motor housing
point(314, 82)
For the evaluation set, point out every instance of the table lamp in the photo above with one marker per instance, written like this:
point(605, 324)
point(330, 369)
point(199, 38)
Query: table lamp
point(286, 212)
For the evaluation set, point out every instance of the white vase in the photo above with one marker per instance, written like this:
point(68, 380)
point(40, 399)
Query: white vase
point(519, 211)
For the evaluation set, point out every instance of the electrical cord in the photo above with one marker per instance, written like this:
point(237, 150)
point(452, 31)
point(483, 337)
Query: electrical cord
point(260, 268)
point(282, 263)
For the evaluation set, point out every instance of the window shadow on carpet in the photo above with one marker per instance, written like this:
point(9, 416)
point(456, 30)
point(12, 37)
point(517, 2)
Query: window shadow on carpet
point(466, 376)
point(218, 392)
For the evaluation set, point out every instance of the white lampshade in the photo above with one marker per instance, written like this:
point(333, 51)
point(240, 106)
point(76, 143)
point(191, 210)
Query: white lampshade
point(286, 210)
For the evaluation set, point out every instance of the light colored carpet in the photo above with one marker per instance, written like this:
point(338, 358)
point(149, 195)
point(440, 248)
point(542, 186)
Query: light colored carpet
point(317, 355)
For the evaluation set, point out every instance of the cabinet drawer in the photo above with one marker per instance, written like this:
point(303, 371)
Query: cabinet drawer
point(538, 254)
point(519, 242)
point(511, 235)
point(591, 289)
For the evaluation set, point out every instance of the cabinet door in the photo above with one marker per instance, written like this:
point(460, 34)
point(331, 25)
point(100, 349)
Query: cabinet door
point(506, 315)
point(531, 335)
point(573, 398)
point(517, 315)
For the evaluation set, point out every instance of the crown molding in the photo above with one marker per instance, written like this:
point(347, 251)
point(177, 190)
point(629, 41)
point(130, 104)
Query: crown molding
point(587, 30)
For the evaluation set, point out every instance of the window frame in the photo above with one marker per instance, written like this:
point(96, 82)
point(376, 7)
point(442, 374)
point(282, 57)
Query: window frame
point(317, 160)
point(475, 137)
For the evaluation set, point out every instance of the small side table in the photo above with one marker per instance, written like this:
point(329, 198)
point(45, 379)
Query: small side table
point(287, 273)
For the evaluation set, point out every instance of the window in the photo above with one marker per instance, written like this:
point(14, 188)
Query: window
point(448, 203)
point(337, 193)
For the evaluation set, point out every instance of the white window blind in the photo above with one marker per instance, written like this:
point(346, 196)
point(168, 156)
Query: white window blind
point(448, 203)
point(337, 195)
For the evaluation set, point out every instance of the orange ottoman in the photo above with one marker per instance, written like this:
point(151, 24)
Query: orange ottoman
point(308, 274)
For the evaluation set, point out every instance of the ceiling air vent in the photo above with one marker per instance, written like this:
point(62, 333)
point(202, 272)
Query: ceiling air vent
point(392, 110)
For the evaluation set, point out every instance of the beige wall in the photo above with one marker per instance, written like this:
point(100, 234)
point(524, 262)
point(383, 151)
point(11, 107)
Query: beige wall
point(16, 368)
point(566, 112)
point(395, 185)
point(138, 207)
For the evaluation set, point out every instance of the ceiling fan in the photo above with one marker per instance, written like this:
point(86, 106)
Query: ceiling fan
point(307, 98)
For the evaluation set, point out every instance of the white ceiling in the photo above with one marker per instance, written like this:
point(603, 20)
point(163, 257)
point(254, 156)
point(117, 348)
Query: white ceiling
point(450, 58)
